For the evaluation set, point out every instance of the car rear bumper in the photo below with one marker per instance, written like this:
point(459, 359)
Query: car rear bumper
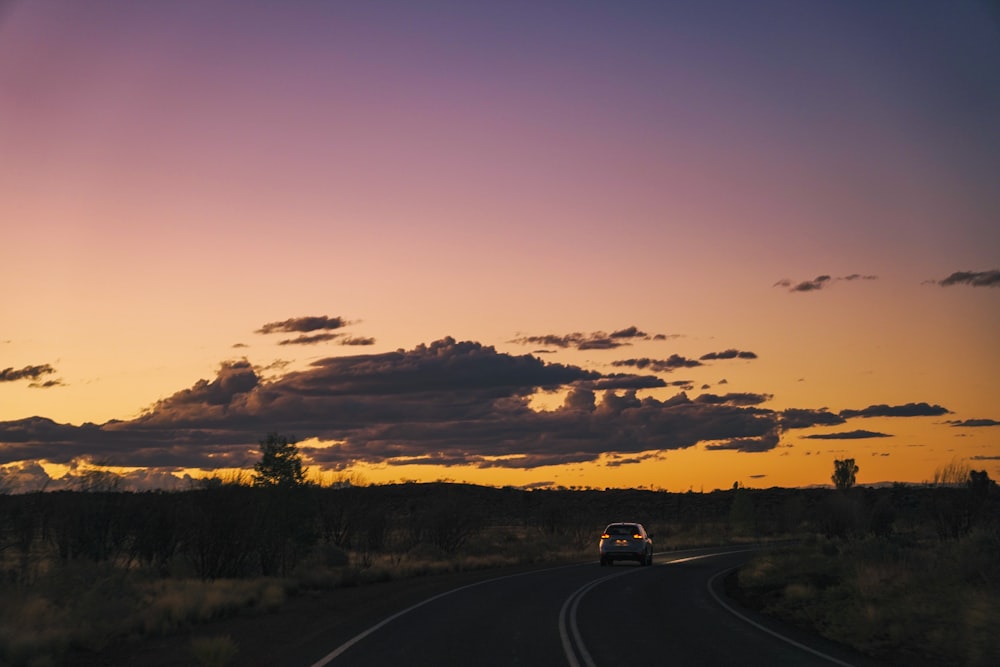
point(623, 555)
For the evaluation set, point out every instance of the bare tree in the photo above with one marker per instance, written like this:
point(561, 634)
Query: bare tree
point(954, 473)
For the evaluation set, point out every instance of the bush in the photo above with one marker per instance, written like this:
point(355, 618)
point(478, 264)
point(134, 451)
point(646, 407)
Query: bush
point(214, 651)
point(907, 601)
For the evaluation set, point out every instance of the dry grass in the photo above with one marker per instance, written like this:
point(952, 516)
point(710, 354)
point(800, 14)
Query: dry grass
point(80, 606)
point(170, 604)
point(39, 625)
point(76, 606)
point(214, 651)
point(922, 603)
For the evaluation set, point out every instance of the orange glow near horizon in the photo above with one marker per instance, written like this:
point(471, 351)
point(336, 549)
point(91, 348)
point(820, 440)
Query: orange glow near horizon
point(642, 200)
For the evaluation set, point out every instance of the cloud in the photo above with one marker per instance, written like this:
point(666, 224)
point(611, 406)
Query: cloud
point(728, 354)
point(762, 443)
point(303, 325)
point(311, 339)
point(686, 385)
point(580, 399)
point(597, 340)
point(306, 325)
point(673, 362)
point(848, 435)
point(234, 378)
point(26, 476)
point(48, 384)
point(972, 278)
point(819, 282)
point(30, 476)
point(735, 398)
point(973, 423)
point(616, 461)
point(447, 403)
point(800, 418)
point(26, 373)
point(568, 340)
point(357, 341)
point(538, 485)
point(630, 332)
point(908, 410)
point(626, 381)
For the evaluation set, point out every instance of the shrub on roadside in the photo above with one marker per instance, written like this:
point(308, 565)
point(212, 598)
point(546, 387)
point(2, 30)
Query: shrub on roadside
point(916, 603)
point(214, 651)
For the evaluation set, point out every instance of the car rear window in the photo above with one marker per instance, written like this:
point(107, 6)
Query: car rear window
point(622, 530)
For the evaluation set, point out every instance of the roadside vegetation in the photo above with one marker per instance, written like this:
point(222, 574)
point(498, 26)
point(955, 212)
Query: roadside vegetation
point(82, 571)
point(907, 575)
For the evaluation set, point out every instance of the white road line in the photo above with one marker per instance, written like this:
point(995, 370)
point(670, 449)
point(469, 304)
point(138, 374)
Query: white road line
point(723, 553)
point(566, 628)
point(757, 625)
point(337, 652)
point(573, 645)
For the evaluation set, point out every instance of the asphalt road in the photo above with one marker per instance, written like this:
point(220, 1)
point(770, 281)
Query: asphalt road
point(673, 613)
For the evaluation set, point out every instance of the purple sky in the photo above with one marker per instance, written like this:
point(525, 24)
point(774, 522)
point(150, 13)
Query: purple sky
point(794, 203)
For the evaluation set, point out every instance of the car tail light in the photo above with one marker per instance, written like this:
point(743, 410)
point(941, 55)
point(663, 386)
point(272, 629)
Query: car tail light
point(605, 536)
point(637, 536)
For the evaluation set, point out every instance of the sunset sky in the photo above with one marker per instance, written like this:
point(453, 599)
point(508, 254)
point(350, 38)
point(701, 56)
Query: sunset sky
point(664, 244)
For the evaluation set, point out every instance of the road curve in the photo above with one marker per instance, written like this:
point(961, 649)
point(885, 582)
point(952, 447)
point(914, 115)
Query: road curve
point(583, 615)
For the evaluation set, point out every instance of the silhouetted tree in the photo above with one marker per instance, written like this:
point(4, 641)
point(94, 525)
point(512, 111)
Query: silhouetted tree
point(844, 473)
point(280, 463)
point(979, 483)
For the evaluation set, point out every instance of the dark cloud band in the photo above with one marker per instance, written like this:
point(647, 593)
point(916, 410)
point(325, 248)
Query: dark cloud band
point(451, 403)
point(597, 340)
point(820, 282)
point(972, 278)
point(26, 373)
point(907, 410)
point(303, 325)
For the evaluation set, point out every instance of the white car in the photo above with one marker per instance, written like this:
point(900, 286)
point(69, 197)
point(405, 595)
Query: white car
point(626, 541)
